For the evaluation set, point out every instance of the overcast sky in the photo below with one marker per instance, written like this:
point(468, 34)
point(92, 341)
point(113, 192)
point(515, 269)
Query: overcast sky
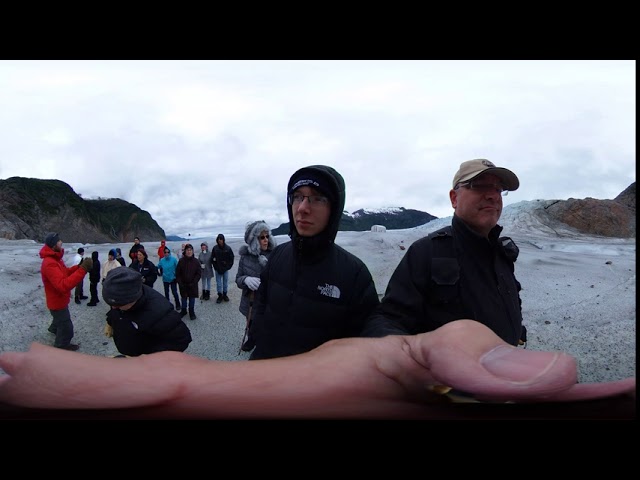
point(204, 144)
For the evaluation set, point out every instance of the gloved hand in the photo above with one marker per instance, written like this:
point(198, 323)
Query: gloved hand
point(108, 331)
point(86, 264)
point(252, 282)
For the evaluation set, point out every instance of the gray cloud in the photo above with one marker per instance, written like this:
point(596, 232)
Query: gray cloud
point(204, 144)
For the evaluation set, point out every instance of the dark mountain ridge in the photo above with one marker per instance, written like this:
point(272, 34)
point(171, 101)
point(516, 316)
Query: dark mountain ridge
point(29, 208)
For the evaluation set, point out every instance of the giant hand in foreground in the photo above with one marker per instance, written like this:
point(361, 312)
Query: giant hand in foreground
point(390, 377)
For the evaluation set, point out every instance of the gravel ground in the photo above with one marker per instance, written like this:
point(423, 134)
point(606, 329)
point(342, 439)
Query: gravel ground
point(217, 332)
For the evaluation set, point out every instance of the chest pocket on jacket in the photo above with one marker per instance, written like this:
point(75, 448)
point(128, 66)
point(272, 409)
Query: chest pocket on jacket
point(445, 280)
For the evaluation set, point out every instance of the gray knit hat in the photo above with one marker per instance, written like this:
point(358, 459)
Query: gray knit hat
point(51, 240)
point(122, 286)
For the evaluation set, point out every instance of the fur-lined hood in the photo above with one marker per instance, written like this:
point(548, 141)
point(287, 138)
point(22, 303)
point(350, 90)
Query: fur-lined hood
point(251, 233)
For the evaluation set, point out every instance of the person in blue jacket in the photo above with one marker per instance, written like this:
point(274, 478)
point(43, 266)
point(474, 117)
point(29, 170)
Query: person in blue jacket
point(167, 268)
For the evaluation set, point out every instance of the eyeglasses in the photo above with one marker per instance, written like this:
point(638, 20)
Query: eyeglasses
point(484, 188)
point(262, 237)
point(297, 199)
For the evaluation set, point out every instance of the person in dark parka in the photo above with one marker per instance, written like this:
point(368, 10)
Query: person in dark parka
point(222, 259)
point(141, 319)
point(94, 279)
point(311, 290)
point(145, 267)
point(134, 249)
point(477, 281)
point(188, 274)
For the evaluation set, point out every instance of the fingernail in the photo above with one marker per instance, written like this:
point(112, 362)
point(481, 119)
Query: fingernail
point(439, 389)
point(519, 366)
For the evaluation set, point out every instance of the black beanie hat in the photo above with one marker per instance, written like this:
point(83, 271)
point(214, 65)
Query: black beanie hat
point(52, 239)
point(314, 179)
point(122, 285)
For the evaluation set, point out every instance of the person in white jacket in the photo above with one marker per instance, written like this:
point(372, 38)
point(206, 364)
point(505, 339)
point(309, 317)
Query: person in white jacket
point(109, 265)
point(79, 290)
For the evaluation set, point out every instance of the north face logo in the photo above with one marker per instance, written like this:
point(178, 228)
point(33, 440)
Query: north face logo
point(329, 291)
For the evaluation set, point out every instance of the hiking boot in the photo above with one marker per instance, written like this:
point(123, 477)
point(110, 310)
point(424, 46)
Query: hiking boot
point(78, 301)
point(219, 300)
point(91, 304)
point(224, 297)
point(183, 313)
point(192, 315)
point(72, 347)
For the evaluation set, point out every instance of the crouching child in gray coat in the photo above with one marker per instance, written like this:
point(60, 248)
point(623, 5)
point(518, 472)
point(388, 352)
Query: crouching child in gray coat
point(141, 319)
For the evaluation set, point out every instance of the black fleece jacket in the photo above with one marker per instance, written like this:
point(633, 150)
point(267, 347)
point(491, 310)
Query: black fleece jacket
point(485, 290)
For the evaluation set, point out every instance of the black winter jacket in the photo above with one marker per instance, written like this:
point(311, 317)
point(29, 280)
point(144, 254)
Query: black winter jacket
point(311, 290)
point(151, 325)
point(221, 257)
point(188, 274)
point(303, 305)
point(94, 274)
point(480, 286)
point(147, 269)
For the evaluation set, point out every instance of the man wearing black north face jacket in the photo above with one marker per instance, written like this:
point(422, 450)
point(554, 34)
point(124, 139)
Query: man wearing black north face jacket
point(311, 290)
point(475, 281)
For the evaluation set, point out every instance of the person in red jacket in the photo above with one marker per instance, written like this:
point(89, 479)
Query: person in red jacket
point(163, 243)
point(59, 280)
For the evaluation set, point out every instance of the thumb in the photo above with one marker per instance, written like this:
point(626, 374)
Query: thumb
point(545, 376)
point(466, 355)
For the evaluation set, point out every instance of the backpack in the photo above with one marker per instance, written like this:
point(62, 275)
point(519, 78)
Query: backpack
point(445, 269)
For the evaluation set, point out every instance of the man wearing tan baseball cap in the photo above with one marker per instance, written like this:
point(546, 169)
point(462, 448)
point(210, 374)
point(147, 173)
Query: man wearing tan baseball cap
point(476, 195)
point(471, 169)
point(465, 270)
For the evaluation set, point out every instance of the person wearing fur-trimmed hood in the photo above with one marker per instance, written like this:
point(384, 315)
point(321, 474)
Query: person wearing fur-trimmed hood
point(253, 258)
point(207, 270)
